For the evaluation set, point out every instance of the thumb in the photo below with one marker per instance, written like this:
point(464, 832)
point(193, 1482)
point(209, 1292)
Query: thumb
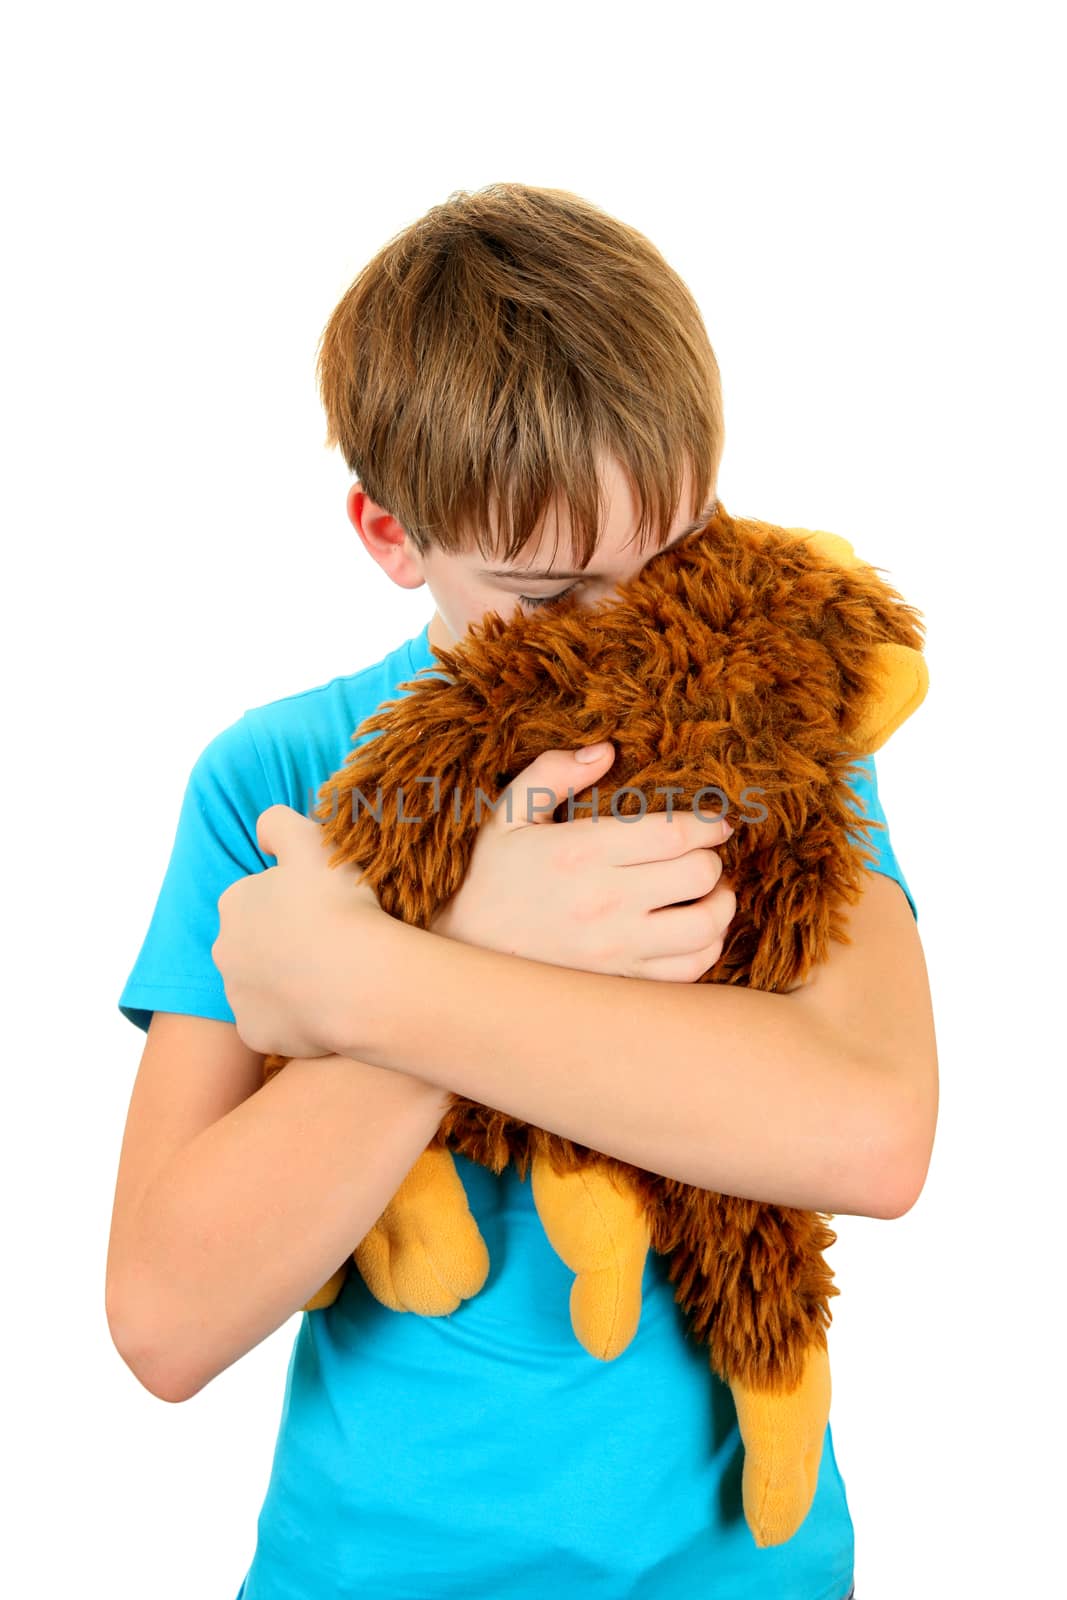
point(539, 788)
point(281, 829)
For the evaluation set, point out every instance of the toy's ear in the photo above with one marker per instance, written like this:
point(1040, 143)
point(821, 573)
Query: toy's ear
point(830, 545)
point(902, 674)
point(903, 682)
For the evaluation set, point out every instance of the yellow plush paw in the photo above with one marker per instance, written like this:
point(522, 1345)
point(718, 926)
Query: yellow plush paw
point(606, 1306)
point(596, 1224)
point(425, 1253)
point(783, 1438)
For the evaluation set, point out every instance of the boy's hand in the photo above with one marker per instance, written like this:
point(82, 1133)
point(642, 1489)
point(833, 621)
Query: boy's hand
point(278, 930)
point(587, 894)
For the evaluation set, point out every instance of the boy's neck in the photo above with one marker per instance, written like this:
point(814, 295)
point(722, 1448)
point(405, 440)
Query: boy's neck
point(439, 634)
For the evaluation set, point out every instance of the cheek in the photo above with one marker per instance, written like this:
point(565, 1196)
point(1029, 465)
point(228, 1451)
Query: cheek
point(478, 601)
point(463, 601)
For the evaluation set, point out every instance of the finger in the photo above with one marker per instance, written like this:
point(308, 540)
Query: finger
point(659, 835)
point(652, 885)
point(533, 795)
point(687, 930)
point(281, 828)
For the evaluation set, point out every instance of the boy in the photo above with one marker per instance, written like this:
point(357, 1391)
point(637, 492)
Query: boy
point(512, 342)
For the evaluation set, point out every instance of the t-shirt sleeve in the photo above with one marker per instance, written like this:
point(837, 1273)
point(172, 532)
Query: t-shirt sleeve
point(214, 845)
point(864, 786)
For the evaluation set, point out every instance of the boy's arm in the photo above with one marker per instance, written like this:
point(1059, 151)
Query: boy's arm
point(236, 1200)
point(824, 1099)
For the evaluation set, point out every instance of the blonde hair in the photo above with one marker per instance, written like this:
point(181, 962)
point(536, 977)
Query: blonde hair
point(478, 365)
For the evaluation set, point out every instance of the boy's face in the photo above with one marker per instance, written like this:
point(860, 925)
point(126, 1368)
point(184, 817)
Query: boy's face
point(466, 585)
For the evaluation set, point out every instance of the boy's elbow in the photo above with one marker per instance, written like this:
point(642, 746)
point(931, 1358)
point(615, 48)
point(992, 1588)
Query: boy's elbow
point(904, 1124)
point(145, 1354)
point(906, 1175)
point(156, 1374)
point(900, 1198)
point(895, 1203)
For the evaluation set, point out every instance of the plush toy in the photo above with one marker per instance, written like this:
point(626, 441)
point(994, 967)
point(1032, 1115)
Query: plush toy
point(749, 665)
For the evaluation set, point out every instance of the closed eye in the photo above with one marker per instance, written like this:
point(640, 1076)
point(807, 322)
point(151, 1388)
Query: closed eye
point(545, 599)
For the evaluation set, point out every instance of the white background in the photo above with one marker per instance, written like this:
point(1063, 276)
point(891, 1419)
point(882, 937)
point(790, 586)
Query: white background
point(865, 202)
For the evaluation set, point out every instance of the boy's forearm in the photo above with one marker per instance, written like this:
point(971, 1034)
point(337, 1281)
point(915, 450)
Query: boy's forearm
point(252, 1217)
point(725, 1088)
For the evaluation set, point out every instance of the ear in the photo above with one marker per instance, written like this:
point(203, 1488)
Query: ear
point(830, 545)
point(903, 682)
point(901, 672)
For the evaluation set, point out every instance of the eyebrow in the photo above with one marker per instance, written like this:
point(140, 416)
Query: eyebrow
point(552, 572)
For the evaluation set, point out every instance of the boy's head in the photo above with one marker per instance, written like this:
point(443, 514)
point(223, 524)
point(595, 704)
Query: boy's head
point(520, 382)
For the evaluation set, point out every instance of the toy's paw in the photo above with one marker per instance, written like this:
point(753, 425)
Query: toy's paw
point(425, 1253)
point(606, 1305)
point(596, 1224)
point(783, 1438)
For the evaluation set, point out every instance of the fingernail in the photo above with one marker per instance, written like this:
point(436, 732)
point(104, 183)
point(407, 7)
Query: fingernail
point(591, 752)
point(711, 815)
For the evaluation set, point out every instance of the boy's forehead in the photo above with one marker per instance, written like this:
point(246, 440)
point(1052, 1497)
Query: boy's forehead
point(551, 552)
point(614, 545)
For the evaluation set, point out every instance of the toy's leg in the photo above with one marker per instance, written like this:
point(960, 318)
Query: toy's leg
point(425, 1253)
point(596, 1224)
point(783, 1438)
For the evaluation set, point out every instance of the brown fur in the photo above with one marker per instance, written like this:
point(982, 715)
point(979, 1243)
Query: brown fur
point(742, 657)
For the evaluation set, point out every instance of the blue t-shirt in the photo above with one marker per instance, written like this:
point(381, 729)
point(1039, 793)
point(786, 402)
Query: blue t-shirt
point(483, 1455)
